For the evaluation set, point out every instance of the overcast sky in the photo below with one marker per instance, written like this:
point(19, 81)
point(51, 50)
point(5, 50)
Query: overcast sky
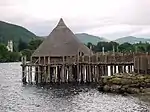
point(105, 18)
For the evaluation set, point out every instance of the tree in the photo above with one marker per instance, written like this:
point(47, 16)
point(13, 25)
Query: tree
point(13, 56)
point(141, 49)
point(148, 48)
point(27, 53)
point(3, 53)
point(22, 45)
point(34, 44)
point(126, 47)
point(114, 45)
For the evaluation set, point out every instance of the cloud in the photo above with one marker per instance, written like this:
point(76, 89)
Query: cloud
point(107, 18)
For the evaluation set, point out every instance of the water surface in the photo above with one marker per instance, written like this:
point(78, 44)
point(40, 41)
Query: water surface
point(15, 97)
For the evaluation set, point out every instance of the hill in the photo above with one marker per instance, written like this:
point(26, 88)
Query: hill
point(85, 38)
point(13, 32)
point(131, 40)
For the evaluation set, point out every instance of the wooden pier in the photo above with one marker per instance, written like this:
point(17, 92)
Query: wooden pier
point(79, 69)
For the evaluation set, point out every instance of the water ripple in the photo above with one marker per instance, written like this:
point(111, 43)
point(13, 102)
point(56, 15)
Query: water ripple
point(15, 97)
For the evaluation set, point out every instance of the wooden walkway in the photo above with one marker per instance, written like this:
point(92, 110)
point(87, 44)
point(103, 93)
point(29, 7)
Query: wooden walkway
point(78, 69)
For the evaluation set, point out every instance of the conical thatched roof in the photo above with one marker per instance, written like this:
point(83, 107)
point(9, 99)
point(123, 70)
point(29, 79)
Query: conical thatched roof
point(61, 42)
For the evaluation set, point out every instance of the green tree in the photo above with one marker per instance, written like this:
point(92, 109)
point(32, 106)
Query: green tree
point(27, 53)
point(34, 44)
point(126, 47)
point(3, 53)
point(148, 48)
point(22, 45)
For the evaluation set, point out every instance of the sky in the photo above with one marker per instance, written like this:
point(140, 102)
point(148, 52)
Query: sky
point(104, 18)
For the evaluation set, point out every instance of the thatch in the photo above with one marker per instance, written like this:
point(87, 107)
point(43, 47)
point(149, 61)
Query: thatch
point(61, 42)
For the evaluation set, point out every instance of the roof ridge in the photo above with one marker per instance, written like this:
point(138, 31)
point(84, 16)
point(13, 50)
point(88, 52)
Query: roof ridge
point(61, 23)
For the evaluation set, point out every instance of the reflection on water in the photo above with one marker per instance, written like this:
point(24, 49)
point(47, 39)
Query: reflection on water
point(15, 97)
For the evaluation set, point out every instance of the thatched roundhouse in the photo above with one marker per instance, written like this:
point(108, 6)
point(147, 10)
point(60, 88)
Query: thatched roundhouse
point(62, 58)
point(60, 43)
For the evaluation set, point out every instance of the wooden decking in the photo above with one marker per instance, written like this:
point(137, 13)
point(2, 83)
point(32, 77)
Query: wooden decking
point(78, 69)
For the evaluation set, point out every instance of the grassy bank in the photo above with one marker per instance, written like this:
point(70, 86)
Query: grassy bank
point(125, 83)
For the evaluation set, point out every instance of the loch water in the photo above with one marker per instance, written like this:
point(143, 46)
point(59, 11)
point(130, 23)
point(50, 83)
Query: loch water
point(16, 97)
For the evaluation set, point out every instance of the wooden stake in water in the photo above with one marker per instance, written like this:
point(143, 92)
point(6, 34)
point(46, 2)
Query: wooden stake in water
point(24, 69)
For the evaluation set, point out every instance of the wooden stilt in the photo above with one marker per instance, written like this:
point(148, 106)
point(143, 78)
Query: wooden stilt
point(87, 73)
point(82, 73)
point(119, 69)
point(124, 69)
point(96, 73)
point(103, 70)
point(70, 74)
point(115, 68)
point(24, 80)
point(111, 70)
point(129, 69)
point(62, 74)
point(39, 75)
point(106, 70)
point(30, 72)
point(100, 71)
point(90, 74)
point(58, 74)
point(36, 75)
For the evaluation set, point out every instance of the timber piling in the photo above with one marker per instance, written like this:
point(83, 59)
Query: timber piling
point(74, 69)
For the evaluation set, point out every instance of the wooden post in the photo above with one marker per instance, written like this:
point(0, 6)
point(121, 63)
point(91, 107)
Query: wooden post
point(55, 73)
point(66, 74)
point(124, 69)
point(31, 71)
point(44, 74)
point(58, 74)
point(106, 70)
point(81, 73)
point(129, 69)
point(103, 69)
point(62, 71)
point(119, 70)
point(98, 73)
point(90, 71)
point(70, 77)
point(84, 73)
point(94, 73)
point(87, 73)
point(78, 69)
point(30, 74)
point(111, 70)
point(39, 71)
point(48, 71)
point(75, 73)
point(36, 75)
point(24, 70)
point(115, 69)
point(44, 71)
